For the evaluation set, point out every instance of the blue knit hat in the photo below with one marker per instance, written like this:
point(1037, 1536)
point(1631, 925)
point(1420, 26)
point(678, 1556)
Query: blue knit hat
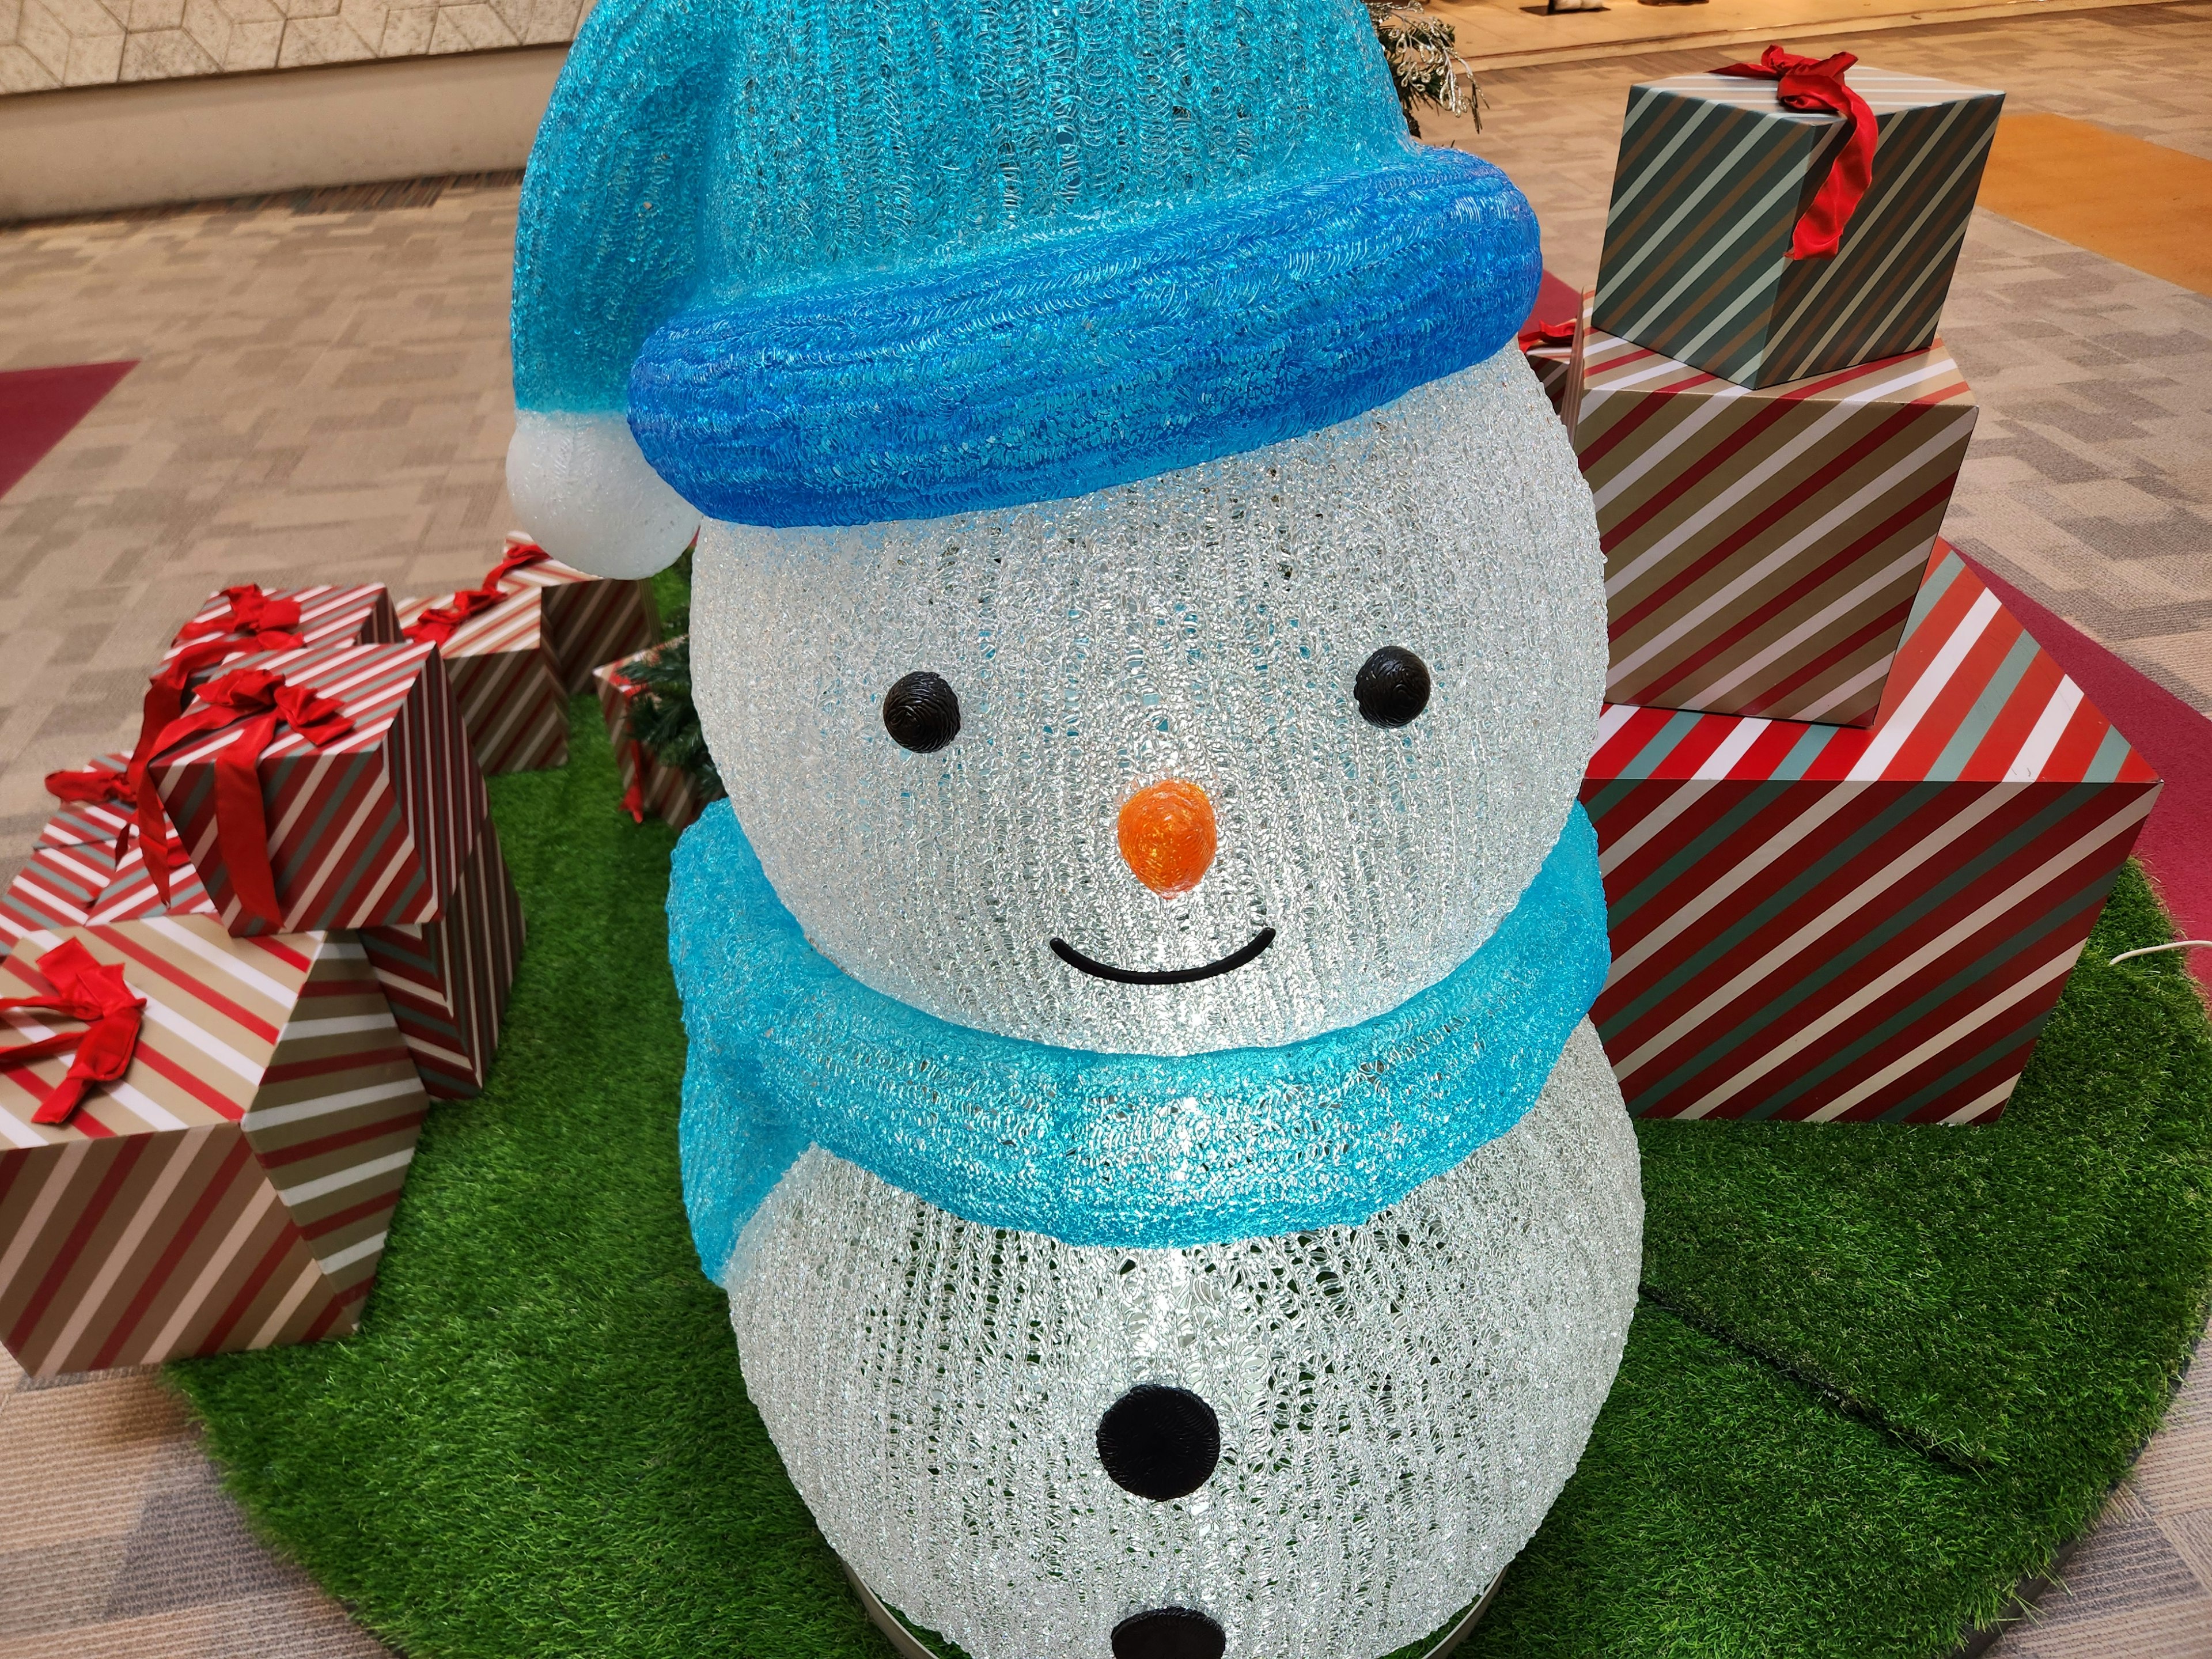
point(845, 264)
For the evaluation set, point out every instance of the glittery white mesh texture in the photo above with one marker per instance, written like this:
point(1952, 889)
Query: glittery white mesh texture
point(1207, 624)
point(1400, 1403)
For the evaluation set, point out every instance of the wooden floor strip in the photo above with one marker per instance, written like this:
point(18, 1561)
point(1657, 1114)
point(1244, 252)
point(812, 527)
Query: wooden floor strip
point(2138, 203)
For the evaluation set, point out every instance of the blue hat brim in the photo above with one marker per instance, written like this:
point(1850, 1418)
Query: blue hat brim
point(1087, 359)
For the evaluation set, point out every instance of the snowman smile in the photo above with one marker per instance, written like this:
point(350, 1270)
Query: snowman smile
point(1228, 964)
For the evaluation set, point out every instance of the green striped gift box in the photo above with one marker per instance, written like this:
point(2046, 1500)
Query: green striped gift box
point(1712, 175)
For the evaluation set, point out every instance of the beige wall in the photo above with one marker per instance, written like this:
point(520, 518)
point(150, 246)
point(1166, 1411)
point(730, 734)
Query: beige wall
point(46, 44)
point(100, 148)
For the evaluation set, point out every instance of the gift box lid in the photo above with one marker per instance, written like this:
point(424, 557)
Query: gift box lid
point(1886, 91)
point(1971, 698)
point(359, 614)
point(517, 623)
point(230, 1034)
point(1612, 366)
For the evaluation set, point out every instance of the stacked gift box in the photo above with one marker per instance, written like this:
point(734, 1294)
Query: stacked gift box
point(523, 641)
point(221, 1053)
point(652, 786)
point(1855, 825)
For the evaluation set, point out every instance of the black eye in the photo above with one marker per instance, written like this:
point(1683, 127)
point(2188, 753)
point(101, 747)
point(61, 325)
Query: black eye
point(1393, 687)
point(921, 713)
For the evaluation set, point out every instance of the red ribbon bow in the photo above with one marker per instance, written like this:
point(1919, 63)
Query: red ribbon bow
point(255, 621)
point(1812, 84)
point(251, 612)
point(92, 785)
point(1541, 334)
point(436, 625)
point(88, 989)
point(262, 698)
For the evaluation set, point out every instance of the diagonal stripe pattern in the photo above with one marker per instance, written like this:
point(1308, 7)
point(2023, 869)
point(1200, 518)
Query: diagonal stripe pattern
point(1712, 175)
point(587, 621)
point(328, 616)
point(1763, 546)
point(370, 829)
point(507, 682)
point(1829, 922)
point(447, 981)
point(234, 1188)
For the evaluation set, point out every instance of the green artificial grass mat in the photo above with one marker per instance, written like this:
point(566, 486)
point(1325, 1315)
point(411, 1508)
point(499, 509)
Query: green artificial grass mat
point(1881, 1372)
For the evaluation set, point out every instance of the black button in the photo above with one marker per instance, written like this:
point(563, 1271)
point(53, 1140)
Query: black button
point(1393, 687)
point(921, 713)
point(1159, 1442)
point(1167, 1633)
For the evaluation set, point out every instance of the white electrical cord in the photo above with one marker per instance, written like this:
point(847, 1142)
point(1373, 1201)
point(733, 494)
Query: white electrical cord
point(2153, 950)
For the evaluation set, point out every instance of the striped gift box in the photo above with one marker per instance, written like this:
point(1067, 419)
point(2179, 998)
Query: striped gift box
point(233, 1188)
point(328, 616)
point(447, 981)
point(663, 792)
point(131, 895)
point(1712, 174)
point(370, 832)
point(57, 887)
point(76, 822)
point(504, 680)
point(588, 621)
point(1763, 547)
point(1831, 922)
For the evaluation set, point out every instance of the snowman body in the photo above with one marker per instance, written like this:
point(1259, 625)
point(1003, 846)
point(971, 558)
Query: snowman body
point(1394, 1401)
point(1150, 625)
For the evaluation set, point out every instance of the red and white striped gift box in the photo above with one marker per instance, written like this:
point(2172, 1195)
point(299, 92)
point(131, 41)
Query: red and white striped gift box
point(659, 790)
point(447, 981)
point(370, 830)
point(233, 1188)
point(588, 620)
point(1834, 922)
point(57, 887)
point(131, 895)
point(328, 616)
point(1763, 546)
point(505, 682)
point(73, 876)
point(76, 822)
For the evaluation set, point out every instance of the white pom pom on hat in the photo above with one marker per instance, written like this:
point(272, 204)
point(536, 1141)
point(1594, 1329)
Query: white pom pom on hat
point(591, 499)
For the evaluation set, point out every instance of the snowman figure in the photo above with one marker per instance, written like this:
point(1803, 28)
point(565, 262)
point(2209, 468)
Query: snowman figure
point(1140, 1103)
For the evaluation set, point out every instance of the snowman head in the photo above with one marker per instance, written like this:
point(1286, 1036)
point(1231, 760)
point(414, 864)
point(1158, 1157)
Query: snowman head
point(1229, 756)
point(1143, 601)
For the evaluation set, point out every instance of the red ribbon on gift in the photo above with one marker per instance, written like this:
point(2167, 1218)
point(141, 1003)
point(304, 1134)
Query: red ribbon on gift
point(436, 625)
point(93, 991)
point(262, 699)
point(632, 801)
point(251, 611)
point(93, 785)
point(1813, 84)
point(254, 621)
point(1543, 334)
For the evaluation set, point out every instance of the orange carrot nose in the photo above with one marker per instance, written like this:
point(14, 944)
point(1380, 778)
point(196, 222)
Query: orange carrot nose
point(1166, 833)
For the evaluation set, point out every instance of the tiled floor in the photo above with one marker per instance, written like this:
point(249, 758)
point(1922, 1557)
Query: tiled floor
point(326, 396)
